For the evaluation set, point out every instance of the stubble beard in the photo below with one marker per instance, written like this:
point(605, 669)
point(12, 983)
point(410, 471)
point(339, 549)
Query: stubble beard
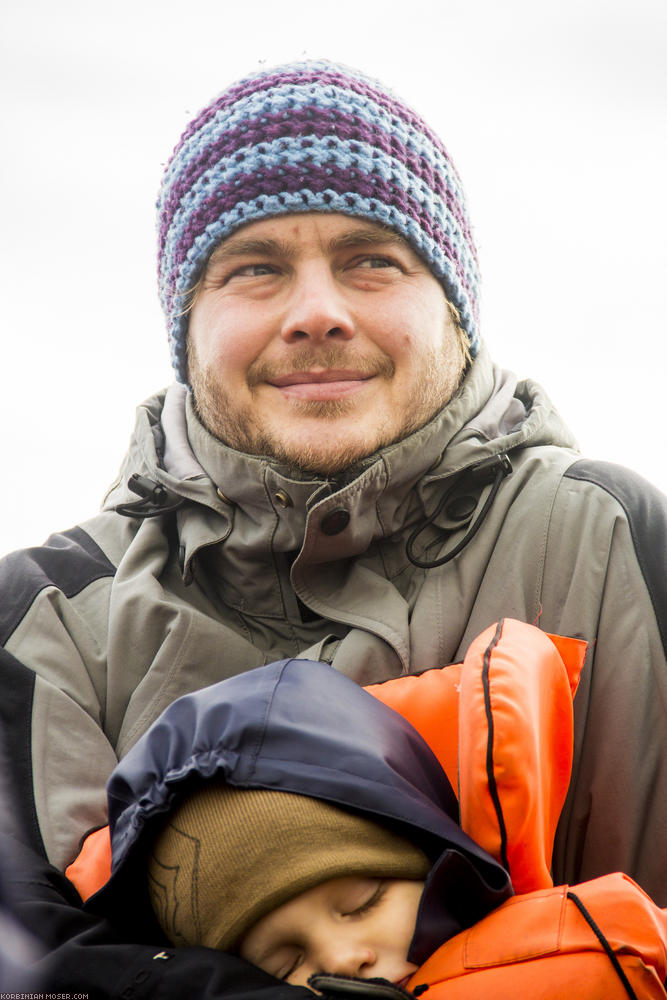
point(238, 426)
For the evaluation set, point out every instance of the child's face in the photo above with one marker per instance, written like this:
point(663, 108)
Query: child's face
point(351, 926)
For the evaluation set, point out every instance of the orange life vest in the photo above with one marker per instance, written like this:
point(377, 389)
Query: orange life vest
point(544, 946)
point(501, 724)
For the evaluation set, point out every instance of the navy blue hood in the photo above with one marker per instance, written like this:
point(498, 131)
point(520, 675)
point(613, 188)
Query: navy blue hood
point(302, 727)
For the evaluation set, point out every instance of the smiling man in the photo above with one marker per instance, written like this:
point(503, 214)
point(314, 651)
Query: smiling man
point(338, 472)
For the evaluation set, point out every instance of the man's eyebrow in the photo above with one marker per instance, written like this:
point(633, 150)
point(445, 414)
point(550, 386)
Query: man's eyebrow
point(250, 246)
point(366, 236)
point(267, 247)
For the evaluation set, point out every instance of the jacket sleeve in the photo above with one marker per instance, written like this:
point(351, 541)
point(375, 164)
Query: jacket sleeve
point(85, 953)
point(52, 671)
point(605, 568)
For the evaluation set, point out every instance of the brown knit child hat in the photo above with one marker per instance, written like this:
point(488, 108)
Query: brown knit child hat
point(228, 856)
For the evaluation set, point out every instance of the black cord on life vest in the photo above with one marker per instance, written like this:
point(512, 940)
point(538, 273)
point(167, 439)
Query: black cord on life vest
point(605, 944)
point(490, 769)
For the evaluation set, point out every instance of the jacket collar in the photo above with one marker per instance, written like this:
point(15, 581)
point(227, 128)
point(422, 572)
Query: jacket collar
point(277, 515)
point(267, 516)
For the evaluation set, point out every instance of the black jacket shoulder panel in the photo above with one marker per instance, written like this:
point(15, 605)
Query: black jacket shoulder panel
point(70, 561)
point(18, 684)
point(646, 510)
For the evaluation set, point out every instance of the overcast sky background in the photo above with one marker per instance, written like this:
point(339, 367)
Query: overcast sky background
point(555, 114)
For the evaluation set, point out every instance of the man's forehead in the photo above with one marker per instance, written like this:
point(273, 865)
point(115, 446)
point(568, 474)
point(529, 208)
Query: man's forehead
point(287, 234)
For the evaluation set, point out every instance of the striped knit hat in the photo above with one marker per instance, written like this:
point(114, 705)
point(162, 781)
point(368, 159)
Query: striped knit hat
point(310, 137)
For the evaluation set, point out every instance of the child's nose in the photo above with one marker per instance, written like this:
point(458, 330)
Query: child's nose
point(349, 959)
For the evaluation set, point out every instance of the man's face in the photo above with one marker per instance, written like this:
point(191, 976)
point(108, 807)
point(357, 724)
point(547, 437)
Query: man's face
point(350, 926)
point(317, 339)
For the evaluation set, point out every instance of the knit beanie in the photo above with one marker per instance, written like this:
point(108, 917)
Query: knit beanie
point(310, 137)
point(228, 856)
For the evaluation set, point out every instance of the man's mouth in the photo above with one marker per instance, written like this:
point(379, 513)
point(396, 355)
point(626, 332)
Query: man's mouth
point(320, 384)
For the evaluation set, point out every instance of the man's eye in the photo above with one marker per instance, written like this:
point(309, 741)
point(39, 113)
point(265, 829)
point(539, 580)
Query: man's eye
point(253, 271)
point(375, 262)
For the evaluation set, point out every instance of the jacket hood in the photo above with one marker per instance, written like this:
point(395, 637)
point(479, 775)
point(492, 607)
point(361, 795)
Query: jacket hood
point(302, 727)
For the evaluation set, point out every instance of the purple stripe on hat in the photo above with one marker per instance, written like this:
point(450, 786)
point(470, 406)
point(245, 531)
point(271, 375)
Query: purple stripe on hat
point(273, 180)
point(291, 179)
point(304, 123)
point(301, 78)
point(261, 83)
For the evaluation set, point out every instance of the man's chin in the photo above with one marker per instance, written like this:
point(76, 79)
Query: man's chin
point(317, 462)
point(321, 439)
point(321, 449)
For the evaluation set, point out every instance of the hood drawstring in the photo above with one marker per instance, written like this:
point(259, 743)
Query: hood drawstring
point(155, 499)
point(491, 470)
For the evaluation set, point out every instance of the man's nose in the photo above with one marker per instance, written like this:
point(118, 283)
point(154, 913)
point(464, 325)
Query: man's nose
point(316, 308)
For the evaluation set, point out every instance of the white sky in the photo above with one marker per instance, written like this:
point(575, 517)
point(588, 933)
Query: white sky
point(555, 114)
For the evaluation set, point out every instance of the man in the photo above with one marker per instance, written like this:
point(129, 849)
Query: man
point(340, 472)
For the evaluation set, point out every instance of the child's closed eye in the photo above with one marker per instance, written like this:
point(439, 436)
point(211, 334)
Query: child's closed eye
point(369, 902)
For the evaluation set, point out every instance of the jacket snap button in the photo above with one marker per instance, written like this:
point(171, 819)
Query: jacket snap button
point(461, 507)
point(284, 499)
point(335, 522)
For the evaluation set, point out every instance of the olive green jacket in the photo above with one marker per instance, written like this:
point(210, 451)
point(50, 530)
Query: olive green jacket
point(228, 562)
